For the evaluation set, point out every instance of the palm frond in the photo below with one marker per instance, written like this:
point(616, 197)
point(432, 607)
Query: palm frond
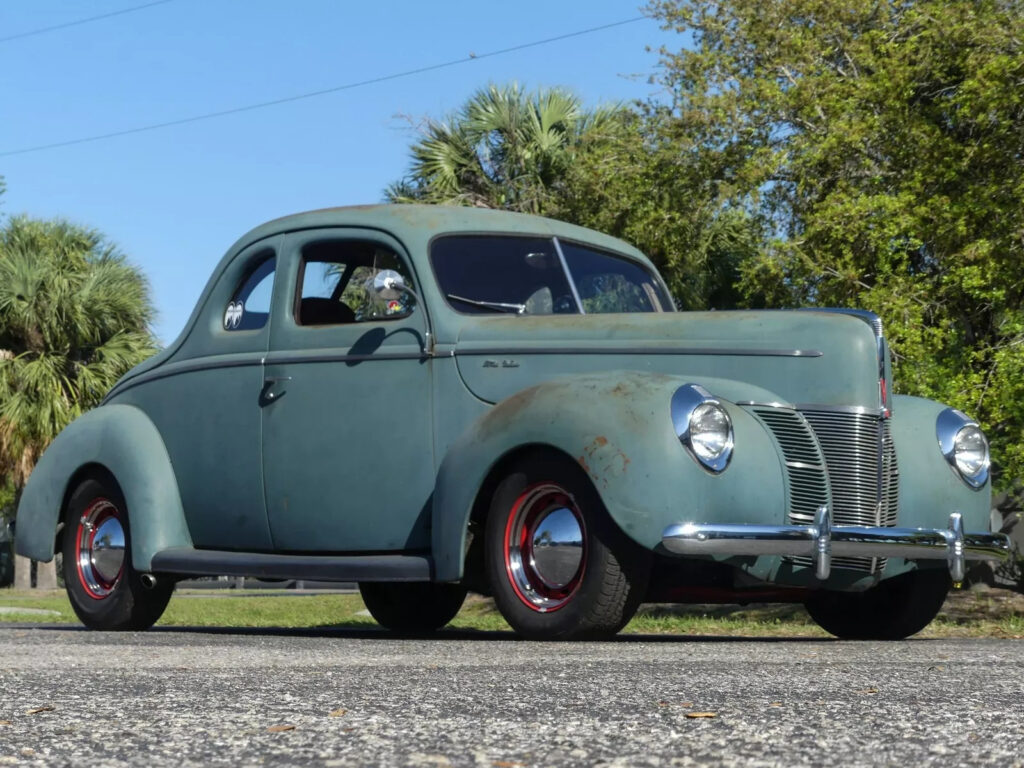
point(74, 317)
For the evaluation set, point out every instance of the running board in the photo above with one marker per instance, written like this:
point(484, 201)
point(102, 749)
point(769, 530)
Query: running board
point(208, 562)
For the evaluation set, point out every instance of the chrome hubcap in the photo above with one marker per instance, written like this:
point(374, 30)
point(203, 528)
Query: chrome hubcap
point(557, 544)
point(545, 547)
point(100, 548)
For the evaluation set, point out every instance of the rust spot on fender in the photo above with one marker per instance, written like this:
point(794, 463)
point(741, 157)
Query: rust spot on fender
point(603, 461)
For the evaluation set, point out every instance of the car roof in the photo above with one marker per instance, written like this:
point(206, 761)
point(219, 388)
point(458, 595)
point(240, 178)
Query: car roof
point(415, 225)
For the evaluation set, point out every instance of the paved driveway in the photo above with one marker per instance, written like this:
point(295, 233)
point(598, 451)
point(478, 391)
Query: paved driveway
point(174, 698)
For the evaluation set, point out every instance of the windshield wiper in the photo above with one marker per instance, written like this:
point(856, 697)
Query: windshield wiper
point(498, 305)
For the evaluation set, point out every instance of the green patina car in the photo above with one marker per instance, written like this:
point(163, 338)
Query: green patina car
point(432, 400)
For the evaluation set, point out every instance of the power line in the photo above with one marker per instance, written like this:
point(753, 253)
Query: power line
point(75, 23)
point(323, 91)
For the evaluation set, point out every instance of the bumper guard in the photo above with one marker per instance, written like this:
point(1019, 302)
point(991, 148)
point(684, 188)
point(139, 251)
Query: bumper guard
point(821, 541)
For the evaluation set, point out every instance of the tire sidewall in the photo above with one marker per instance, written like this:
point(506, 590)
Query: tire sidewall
point(413, 607)
point(118, 609)
point(605, 548)
point(893, 610)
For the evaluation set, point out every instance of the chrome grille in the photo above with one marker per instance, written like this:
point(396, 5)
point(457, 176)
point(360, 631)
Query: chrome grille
point(805, 465)
point(854, 468)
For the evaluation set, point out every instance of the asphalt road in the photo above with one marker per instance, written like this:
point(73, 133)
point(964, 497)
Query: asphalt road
point(173, 698)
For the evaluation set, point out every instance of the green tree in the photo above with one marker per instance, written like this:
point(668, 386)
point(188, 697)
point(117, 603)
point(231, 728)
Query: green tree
point(74, 317)
point(881, 147)
point(614, 169)
point(504, 148)
point(640, 181)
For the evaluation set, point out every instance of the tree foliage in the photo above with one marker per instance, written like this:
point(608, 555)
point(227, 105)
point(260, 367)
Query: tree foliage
point(74, 317)
point(641, 182)
point(881, 147)
point(504, 148)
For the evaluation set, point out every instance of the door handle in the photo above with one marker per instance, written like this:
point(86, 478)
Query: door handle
point(268, 395)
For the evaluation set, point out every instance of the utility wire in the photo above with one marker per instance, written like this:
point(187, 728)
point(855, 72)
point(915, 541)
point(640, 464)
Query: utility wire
point(75, 23)
point(322, 92)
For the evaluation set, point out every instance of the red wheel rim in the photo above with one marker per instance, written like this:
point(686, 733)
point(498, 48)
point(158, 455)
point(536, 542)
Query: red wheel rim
point(545, 547)
point(100, 548)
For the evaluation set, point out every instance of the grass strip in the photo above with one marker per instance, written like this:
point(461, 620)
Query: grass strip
point(965, 614)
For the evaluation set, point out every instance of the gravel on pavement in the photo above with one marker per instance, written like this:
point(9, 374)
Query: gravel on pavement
point(336, 698)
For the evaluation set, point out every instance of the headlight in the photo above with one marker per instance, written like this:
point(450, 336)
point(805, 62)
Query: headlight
point(964, 445)
point(703, 426)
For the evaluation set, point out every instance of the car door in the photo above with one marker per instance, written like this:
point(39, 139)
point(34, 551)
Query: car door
point(206, 405)
point(347, 452)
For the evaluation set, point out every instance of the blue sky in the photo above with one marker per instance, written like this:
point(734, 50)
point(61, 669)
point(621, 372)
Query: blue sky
point(174, 199)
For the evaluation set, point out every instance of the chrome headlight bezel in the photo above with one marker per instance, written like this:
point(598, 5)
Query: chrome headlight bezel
point(689, 403)
point(953, 428)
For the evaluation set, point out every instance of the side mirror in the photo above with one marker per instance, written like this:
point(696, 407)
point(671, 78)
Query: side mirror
point(388, 284)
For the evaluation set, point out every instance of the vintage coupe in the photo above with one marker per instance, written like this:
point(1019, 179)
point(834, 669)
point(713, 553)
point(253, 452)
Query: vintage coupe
point(431, 400)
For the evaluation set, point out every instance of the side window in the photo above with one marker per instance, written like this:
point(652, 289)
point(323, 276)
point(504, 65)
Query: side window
point(610, 283)
point(249, 308)
point(334, 284)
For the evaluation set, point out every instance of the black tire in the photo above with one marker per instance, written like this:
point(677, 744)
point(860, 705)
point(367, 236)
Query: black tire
point(611, 571)
point(112, 602)
point(413, 607)
point(897, 608)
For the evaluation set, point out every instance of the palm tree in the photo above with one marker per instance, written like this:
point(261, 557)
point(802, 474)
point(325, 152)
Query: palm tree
point(74, 317)
point(504, 148)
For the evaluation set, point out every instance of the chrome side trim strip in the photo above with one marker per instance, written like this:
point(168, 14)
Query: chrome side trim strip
point(822, 541)
point(710, 351)
point(173, 369)
point(282, 359)
point(257, 358)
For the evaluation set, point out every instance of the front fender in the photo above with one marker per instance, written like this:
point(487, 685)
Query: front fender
point(618, 426)
point(930, 489)
point(122, 440)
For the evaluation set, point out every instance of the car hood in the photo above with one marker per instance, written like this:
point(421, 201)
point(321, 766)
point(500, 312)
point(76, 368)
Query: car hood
point(802, 357)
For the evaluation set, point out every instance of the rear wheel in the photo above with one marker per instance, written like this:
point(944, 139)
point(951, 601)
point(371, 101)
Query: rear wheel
point(412, 606)
point(895, 609)
point(558, 566)
point(105, 590)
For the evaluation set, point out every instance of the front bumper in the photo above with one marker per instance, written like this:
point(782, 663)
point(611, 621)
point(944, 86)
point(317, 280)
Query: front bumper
point(821, 541)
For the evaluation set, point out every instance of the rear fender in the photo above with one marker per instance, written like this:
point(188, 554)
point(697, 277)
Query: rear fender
point(123, 441)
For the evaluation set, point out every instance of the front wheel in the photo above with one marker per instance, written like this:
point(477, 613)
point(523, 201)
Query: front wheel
point(412, 606)
point(558, 566)
point(105, 591)
point(897, 608)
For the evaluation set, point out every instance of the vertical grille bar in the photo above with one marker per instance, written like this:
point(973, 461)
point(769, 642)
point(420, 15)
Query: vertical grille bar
point(890, 478)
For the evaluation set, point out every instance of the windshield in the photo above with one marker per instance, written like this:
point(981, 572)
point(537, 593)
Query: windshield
point(524, 275)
